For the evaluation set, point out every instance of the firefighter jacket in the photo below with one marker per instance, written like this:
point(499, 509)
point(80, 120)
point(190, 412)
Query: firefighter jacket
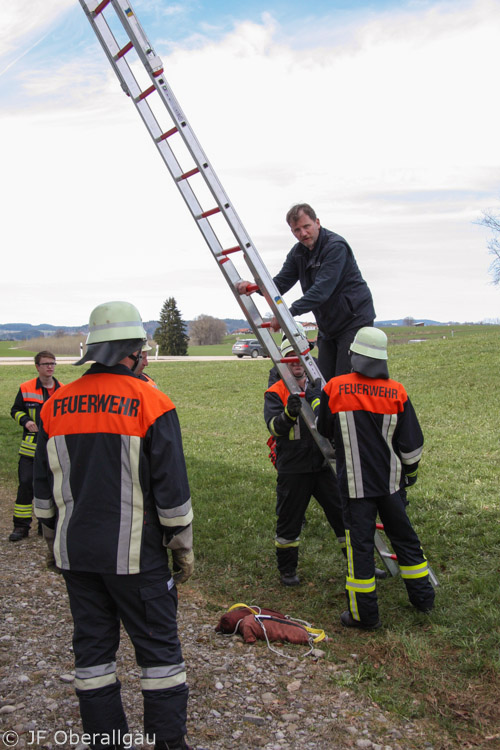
point(378, 440)
point(296, 450)
point(110, 473)
point(331, 282)
point(30, 398)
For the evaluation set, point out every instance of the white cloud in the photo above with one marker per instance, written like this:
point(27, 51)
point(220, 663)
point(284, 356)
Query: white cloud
point(25, 19)
point(389, 130)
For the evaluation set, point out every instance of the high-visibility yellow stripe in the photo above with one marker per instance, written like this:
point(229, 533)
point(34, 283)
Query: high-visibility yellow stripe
point(280, 545)
point(360, 585)
point(22, 511)
point(414, 571)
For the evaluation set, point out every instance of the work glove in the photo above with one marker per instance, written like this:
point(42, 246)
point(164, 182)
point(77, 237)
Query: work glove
point(181, 546)
point(411, 474)
point(293, 405)
point(313, 393)
point(183, 563)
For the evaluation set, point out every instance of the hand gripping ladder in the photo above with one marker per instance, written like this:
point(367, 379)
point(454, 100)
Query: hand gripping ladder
point(113, 20)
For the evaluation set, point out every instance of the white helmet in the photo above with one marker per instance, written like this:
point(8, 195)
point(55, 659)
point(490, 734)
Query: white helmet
point(371, 342)
point(115, 321)
point(115, 331)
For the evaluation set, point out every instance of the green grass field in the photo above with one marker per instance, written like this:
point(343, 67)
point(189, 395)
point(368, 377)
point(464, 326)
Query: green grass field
point(445, 666)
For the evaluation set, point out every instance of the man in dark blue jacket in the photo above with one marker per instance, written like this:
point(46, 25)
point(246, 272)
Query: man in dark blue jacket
point(332, 285)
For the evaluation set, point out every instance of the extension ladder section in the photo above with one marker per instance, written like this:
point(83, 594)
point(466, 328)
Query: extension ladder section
point(141, 76)
point(391, 560)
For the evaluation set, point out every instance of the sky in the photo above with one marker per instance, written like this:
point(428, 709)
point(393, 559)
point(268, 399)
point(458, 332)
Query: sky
point(384, 116)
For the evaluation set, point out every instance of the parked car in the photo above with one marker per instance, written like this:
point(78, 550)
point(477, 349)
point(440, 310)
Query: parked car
point(249, 348)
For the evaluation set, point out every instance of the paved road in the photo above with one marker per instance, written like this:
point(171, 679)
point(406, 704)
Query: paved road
point(69, 360)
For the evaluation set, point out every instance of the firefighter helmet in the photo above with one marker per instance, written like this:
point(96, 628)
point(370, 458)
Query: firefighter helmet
point(115, 332)
point(286, 348)
point(115, 321)
point(371, 342)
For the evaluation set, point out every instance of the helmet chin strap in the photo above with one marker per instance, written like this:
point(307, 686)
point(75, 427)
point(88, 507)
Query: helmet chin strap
point(136, 359)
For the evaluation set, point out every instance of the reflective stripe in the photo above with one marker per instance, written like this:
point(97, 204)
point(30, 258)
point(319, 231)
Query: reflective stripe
point(352, 456)
point(360, 585)
point(125, 324)
point(22, 511)
point(28, 445)
point(412, 457)
point(90, 678)
point(18, 415)
point(60, 465)
point(38, 397)
point(44, 508)
point(315, 403)
point(353, 604)
point(414, 571)
point(162, 678)
point(131, 508)
point(271, 427)
point(282, 543)
point(180, 516)
point(389, 424)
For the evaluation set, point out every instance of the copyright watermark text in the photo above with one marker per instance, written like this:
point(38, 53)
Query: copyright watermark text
point(70, 738)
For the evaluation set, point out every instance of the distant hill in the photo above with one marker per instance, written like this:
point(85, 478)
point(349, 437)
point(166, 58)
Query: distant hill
point(24, 331)
point(401, 322)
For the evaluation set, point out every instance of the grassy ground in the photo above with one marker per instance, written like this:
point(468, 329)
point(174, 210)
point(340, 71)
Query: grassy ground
point(444, 666)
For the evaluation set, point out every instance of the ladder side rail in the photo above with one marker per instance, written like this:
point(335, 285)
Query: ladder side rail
point(130, 85)
point(154, 67)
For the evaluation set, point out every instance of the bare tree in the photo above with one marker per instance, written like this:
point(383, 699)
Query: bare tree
point(207, 330)
point(409, 321)
point(492, 222)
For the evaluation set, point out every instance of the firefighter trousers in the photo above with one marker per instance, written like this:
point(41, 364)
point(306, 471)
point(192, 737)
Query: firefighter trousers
point(146, 604)
point(24, 499)
point(360, 516)
point(333, 353)
point(293, 494)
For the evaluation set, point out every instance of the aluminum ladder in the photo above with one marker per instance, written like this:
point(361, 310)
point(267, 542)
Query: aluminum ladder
point(216, 218)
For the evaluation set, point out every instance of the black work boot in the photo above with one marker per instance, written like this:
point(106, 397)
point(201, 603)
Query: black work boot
point(348, 621)
point(290, 578)
point(20, 532)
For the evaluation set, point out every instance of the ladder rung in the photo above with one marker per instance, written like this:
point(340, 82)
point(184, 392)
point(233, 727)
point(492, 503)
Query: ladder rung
point(209, 213)
point(387, 554)
point(124, 50)
point(265, 325)
point(188, 174)
point(231, 250)
point(167, 134)
point(156, 73)
point(145, 93)
point(252, 288)
point(379, 526)
point(100, 7)
point(289, 360)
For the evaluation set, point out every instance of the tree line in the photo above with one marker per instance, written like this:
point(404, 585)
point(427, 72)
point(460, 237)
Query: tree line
point(171, 335)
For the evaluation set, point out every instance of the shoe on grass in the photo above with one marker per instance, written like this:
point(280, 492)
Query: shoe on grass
point(348, 621)
point(290, 579)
